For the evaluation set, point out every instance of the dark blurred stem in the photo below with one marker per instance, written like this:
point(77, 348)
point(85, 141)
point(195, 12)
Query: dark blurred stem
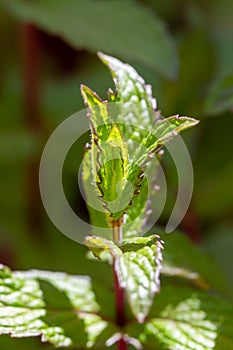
point(29, 47)
point(119, 292)
point(190, 225)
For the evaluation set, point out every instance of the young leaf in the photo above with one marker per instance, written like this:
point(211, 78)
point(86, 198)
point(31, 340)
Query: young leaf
point(138, 107)
point(120, 181)
point(163, 131)
point(130, 87)
point(99, 216)
point(136, 111)
point(138, 265)
point(112, 174)
point(61, 309)
point(98, 114)
point(109, 160)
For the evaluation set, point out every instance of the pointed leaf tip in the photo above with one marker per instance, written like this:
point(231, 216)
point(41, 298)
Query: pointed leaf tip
point(90, 97)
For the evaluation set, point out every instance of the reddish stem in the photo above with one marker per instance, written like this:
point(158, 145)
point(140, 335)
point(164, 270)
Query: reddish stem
point(119, 292)
point(191, 226)
point(120, 299)
point(31, 75)
point(122, 344)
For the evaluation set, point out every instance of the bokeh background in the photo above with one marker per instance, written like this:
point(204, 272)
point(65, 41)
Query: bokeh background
point(184, 49)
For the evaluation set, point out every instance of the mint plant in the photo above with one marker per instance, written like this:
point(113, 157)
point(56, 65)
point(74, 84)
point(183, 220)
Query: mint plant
point(193, 310)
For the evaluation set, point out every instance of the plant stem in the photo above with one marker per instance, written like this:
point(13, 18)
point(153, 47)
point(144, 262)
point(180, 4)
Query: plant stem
point(117, 231)
point(30, 52)
point(120, 299)
point(191, 226)
point(119, 292)
point(122, 344)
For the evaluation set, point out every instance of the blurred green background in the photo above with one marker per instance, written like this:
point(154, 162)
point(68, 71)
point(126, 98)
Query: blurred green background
point(184, 49)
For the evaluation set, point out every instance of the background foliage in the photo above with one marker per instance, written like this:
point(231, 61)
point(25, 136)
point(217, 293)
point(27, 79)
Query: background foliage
point(183, 48)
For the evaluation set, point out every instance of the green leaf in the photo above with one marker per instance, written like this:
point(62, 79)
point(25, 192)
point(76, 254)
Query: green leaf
point(138, 271)
point(97, 114)
point(137, 214)
point(135, 107)
point(138, 107)
point(139, 34)
point(61, 309)
point(108, 160)
point(138, 265)
point(112, 167)
point(184, 318)
point(99, 216)
point(130, 87)
point(162, 131)
point(220, 97)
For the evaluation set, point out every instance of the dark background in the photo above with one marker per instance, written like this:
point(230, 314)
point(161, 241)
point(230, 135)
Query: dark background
point(48, 48)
